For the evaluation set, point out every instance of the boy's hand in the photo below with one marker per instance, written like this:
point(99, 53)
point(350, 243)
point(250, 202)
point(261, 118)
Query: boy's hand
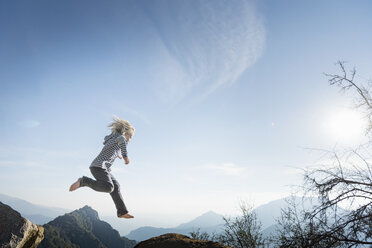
point(120, 157)
point(126, 160)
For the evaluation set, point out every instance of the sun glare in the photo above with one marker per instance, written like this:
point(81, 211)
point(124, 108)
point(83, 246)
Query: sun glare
point(345, 125)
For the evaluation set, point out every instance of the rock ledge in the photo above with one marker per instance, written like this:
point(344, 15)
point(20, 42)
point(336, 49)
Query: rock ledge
point(16, 231)
point(171, 240)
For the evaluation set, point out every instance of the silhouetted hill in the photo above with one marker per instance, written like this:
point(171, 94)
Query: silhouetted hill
point(82, 228)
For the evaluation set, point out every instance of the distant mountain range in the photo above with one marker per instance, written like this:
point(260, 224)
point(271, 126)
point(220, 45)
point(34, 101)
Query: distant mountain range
point(82, 228)
point(212, 222)
point(209, 222)
point(35, 213)
point(270, 212)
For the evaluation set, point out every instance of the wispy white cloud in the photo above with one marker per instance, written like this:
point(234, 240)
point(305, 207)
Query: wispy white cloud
point(33, 153)
point(29, 123)
point(209, 44)
point(20, 163)
point(230, 169)
point(136, 113)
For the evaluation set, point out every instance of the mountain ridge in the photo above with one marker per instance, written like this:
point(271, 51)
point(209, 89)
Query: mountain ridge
point(82, 228)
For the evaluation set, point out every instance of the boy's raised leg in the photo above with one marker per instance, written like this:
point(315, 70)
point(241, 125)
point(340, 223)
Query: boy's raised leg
point(75, 185)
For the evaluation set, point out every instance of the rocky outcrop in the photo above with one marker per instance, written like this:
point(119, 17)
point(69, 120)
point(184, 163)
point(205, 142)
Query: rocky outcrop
point(171, 240)
point(16, 231)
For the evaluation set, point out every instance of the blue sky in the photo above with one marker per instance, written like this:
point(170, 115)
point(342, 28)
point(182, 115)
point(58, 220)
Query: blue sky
point(224, 95)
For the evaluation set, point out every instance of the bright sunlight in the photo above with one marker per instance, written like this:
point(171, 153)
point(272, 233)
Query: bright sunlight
point(346, 125)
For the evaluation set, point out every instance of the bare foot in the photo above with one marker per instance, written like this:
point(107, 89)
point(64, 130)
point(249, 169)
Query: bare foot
point(126, 216)
point(75, 185)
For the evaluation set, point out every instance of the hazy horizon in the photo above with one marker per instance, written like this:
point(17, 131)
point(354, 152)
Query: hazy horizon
point(125, 227)
point(225, 96)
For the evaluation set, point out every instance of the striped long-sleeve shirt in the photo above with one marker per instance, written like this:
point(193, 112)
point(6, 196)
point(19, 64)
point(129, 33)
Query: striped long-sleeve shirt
point(113, 145)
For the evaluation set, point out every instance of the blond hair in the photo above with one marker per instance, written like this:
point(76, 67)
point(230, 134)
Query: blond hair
point(121, 126)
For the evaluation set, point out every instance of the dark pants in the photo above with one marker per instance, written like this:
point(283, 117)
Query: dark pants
point(105, 182)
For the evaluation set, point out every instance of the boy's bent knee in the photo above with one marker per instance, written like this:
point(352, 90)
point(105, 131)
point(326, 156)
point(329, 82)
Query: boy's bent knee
point(109, 188)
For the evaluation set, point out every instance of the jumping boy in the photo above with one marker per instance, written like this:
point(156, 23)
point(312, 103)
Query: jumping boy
point(114, 145)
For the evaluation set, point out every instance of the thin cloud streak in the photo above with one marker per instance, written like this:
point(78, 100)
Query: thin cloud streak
point(29, 123)
point(20, 164)
point(210, 44)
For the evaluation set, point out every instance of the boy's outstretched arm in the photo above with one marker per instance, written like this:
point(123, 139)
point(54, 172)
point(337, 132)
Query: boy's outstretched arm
point(123, 147)
point(126, 159)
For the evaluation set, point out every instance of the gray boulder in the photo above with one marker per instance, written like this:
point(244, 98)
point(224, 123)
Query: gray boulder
point(16, 231)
